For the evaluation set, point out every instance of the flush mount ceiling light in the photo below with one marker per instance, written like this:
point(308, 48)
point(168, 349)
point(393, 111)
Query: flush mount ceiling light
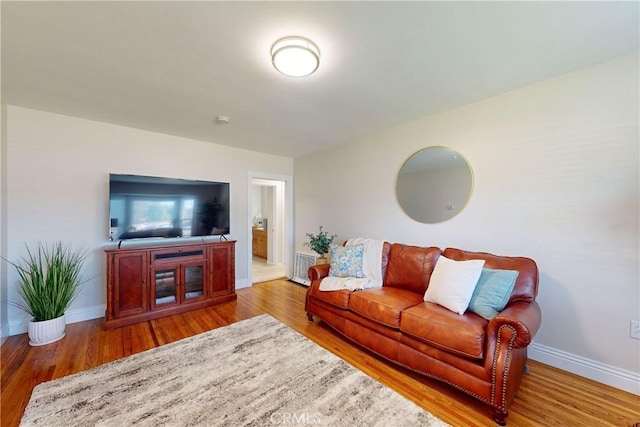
point(295, 56)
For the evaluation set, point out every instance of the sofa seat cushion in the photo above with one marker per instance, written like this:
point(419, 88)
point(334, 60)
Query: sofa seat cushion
point(383, 305)
point(339, 298)
point(435, 325)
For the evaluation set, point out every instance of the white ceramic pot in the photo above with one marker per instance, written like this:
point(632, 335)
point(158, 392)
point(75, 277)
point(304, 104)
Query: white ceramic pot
point(46, 331)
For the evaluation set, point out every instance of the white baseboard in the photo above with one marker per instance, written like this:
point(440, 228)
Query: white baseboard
point(596, 371)
point(19, 326)
point(240, 284)
point(4, 333)
point(95, 312)
point(78, 315)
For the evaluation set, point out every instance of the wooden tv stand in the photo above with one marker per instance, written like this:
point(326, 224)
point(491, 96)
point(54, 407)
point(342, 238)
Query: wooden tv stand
point(148, 282)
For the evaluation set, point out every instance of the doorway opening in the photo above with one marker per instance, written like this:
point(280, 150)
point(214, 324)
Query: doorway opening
point(269, 222)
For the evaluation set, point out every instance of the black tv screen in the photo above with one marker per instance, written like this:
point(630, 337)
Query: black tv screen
point(145, 206)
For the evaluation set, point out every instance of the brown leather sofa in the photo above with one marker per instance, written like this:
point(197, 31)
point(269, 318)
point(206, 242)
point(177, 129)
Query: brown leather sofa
point(485, 359)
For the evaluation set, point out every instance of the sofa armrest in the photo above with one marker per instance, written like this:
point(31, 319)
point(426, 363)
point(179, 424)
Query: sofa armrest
point(524, 317)
point(319, 271)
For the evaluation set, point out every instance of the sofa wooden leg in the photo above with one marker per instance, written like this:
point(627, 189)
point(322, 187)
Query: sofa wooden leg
point(310, 317)
point(500, 418)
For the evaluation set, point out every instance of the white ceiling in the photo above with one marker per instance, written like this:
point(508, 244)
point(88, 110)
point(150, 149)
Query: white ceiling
point(172, 67)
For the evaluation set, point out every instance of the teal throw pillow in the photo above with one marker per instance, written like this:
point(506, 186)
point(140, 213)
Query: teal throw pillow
point(492, 292)
point(346, 261)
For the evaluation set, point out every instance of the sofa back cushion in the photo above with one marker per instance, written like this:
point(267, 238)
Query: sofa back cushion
point(526, 286)
point(410, 267)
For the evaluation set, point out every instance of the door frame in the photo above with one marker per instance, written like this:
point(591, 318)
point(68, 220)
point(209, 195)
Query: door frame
point(288, 221)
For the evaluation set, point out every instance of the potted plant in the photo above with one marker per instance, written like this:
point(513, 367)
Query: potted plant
point(49, 280)
point(319, 243)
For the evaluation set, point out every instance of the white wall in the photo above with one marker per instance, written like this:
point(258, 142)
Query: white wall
point(57, 188)
point(4, 322)
point(556, 179)
point(4, 302)
point(256, 201)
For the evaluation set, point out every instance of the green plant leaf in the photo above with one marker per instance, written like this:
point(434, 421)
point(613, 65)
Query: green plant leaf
point(49, 280)
point(320, 243)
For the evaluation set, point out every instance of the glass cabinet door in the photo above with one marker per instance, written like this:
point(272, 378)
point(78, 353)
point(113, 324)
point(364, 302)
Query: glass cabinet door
point(165, 286)
point(194, 281)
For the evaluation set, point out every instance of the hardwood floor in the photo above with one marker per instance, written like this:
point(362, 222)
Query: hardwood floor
point(548, 396)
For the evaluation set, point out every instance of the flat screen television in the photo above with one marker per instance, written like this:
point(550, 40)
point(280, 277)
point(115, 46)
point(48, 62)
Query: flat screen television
point(154, 207)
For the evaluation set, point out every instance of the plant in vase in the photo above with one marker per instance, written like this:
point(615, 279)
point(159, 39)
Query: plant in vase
point(319, 243)
point(49, 280)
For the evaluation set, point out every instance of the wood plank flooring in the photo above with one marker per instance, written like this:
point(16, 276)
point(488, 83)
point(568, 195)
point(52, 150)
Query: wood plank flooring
point(548, 396)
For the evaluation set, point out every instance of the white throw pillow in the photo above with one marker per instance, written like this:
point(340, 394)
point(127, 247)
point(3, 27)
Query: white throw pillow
point(453, 282)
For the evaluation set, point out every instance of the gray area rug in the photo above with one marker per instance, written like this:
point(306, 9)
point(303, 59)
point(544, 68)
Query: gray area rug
point(257, 372)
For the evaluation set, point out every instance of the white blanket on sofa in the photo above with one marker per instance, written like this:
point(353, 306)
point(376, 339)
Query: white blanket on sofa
point(371, 267)
point(339, 283)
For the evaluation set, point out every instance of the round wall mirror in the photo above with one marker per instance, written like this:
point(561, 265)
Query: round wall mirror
point(434, 184)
